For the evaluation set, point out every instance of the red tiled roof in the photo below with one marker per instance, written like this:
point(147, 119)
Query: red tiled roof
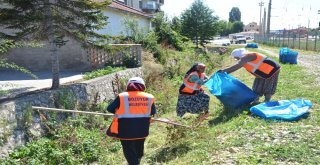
point(120, 6)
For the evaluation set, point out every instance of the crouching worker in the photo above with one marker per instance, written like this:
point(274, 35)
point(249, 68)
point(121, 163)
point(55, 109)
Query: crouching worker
point(192, 98)
point(133, 110)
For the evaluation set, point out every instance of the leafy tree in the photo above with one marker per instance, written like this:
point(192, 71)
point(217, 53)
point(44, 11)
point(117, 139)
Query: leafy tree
point(133, 31)
point(234, 14)
point(198, 23)
point(237, 27)
point(52, 20)
point(166, 35)
point(224, 27)
point(176, 24)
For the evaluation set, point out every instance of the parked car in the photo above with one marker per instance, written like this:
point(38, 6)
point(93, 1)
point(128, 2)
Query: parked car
point(222, 42)
point(238, 39)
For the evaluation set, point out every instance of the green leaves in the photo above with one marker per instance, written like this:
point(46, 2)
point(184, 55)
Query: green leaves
point(77, 19)
point(101, 72)
point(199, 23)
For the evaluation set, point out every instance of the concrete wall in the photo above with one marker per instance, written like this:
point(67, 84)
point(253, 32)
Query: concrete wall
point(13, 128)
point(72, 57)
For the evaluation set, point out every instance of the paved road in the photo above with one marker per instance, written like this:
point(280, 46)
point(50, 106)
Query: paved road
point(15, 83)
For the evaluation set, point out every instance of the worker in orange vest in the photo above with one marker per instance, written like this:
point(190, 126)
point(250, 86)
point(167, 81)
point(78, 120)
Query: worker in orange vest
point(192, 98)
point(263, 68)
point(133, 111)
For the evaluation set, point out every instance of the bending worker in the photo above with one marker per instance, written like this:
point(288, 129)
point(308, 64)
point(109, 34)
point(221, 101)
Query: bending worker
point(263, 68)
point(133, 110)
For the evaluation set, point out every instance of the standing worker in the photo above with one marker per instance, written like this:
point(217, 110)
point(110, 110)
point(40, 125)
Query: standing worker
point(263, 68)
point(133, 110)
point(192, 98)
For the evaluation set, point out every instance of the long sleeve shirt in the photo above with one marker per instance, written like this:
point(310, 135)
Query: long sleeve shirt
point(194, 78)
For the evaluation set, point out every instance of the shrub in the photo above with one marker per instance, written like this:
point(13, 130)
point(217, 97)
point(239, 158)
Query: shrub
point(101, 72)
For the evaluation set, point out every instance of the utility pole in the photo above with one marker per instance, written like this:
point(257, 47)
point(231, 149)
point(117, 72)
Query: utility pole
point(269, 16)
point(319, 21)
point(264, 22)
point(260, 4)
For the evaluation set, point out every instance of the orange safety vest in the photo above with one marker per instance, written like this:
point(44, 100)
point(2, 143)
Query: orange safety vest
point(190, 87)
point(132, 119)
point(262, 66)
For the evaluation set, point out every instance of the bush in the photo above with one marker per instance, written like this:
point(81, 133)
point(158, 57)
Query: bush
point(101, 72)
point(130, 62)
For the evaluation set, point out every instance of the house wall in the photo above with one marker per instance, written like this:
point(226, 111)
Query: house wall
point(116, 20)
point(251, 27)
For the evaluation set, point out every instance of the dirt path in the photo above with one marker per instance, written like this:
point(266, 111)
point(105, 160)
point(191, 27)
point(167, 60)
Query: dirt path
point(310, 61)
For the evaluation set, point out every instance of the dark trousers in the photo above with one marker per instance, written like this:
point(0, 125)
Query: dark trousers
point(133, 150)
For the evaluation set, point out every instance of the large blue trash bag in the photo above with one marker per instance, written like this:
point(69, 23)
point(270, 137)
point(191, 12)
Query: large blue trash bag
point(252, 45)
point(289, 110)
point(230, 91)
point(288, 56)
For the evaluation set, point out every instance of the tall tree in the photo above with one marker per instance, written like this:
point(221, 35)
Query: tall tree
point(52, 20)
point(198, 23)
point(237, 27)
point(234, 14)
point(224, 27)
point(176, 24)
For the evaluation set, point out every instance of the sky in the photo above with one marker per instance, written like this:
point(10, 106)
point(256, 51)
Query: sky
point(285, 14)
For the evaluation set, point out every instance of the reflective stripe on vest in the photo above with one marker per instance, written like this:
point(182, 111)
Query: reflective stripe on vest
point(126, 106)
point(262, 66)
point(193, 85)
point(256, 65)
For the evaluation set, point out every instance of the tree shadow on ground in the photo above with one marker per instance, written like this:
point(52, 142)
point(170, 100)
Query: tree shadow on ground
point(169, 153)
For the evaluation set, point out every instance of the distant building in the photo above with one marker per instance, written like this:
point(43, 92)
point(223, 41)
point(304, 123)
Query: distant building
point(251, 27)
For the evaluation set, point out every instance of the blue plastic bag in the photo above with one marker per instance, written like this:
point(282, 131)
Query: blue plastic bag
point(288, 56)
point(230, 91)
point(284, 109)
point(252, 45)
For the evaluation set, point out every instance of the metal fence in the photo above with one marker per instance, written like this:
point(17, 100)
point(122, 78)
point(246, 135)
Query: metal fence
point(293, 39)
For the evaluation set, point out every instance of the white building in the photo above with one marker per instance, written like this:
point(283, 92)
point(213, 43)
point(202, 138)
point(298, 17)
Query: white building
point(121, 10)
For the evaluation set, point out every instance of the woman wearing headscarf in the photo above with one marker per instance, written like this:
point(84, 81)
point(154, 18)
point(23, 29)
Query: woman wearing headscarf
point(192, 98)
point(133, 110)
point(263, 68)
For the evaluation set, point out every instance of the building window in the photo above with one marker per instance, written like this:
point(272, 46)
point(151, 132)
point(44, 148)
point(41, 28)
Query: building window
point(140, 4)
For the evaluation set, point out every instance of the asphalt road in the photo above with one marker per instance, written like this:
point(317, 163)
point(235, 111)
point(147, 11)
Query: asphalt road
point(13, 83)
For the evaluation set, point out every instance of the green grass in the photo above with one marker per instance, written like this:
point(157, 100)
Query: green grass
point(101, 72)
point(227, 137)
point(3, 92)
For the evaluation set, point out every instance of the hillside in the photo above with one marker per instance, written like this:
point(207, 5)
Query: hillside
point(226, 137)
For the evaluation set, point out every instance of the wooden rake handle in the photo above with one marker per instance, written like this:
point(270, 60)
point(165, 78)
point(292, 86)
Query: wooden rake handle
point(162, 120)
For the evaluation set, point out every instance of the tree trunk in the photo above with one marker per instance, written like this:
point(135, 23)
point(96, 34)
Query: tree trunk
point(53, 47)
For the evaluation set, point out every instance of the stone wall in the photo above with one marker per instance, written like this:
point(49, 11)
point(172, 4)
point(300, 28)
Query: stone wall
point(13, 122)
